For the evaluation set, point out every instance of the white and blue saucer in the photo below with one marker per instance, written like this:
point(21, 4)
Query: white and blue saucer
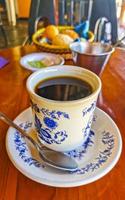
point(95, 158)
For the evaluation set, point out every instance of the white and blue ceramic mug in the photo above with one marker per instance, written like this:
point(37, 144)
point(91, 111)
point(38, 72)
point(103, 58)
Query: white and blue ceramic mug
point(63, 125)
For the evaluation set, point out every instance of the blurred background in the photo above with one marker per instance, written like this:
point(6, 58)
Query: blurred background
point(16, 16)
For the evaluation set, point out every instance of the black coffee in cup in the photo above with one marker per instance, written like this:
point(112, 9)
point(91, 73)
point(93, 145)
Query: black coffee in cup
point(63, 88)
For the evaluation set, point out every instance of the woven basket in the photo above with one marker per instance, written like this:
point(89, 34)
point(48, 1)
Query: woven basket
point(46, 47)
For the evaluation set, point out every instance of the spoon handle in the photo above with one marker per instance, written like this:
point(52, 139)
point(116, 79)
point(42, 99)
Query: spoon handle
point(54, 159)
point(4, 118)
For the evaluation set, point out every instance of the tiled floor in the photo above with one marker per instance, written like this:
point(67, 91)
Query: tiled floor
point(15, 34)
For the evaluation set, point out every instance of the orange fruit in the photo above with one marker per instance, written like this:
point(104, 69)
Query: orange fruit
point(71, 33)
point(51, 31)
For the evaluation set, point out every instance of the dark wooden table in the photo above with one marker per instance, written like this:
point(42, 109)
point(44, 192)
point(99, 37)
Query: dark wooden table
point(14, 99)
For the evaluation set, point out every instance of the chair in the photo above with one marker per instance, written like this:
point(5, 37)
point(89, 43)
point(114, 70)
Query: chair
point(72, 12)
point(41, 11)
point(102, 11)
point(63, 12)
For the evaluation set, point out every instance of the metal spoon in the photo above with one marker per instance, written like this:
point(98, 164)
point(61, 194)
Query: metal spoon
point(51, 158)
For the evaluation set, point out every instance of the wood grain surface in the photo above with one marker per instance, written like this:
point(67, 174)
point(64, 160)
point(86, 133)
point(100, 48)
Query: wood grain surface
point(14, 99)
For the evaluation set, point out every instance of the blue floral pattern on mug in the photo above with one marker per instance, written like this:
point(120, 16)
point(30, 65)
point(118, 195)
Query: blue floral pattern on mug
point(86, 111)
point(50, 123)
point(46, 112)
point(91, 108)
point(79, 152)
point(86, 130)
point(47, 129)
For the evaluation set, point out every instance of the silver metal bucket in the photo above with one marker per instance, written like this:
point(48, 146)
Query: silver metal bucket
point(92, 56)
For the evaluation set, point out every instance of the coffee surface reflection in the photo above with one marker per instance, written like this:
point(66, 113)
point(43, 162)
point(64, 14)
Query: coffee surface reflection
point(63, 88)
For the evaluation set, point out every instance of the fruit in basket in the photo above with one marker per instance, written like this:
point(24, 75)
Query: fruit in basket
point(62, 40)
point(71, 33)
point(51, 31)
